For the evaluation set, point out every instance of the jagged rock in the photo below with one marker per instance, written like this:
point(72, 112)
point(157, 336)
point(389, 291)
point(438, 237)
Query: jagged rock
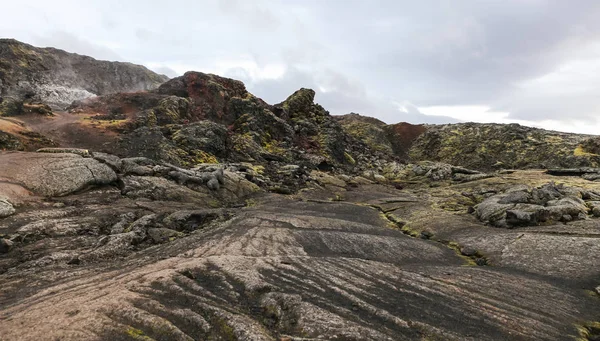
point(55, 174)
point(6, 208)
point(523, 207)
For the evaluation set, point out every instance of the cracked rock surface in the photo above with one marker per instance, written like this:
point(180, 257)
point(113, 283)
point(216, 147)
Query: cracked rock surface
point(152, 257)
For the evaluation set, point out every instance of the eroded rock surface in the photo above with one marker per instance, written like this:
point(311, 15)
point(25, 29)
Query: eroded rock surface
point(54, 174)
point(157, 256)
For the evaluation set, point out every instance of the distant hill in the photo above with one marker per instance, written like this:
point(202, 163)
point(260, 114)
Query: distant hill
point(57, 78)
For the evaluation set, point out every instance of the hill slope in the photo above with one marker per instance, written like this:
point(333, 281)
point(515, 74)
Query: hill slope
point(57, 78)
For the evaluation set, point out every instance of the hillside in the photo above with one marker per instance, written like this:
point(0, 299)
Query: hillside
point(481, 146)
point(57, 78)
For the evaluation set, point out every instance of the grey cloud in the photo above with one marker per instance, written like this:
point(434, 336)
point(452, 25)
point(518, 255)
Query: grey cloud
point(367, 55)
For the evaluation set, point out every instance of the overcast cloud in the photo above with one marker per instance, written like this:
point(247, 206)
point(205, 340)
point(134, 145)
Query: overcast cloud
point(535, 62)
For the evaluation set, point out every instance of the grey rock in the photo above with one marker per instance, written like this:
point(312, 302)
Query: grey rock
point(55, 174)
point(566, 218)
point(591, 176)
point(162, 235)
point(139, 228)
point(140, 170)
point(219, 174)
point(515, 198)
point(126, 220)
point(524, 218)
point(213, 184)
point(112, 161)
point(468, 251)
point(6, 208)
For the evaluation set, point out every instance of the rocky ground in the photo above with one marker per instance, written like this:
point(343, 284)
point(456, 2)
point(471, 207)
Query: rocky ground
point(97, 247)
point(194, 210)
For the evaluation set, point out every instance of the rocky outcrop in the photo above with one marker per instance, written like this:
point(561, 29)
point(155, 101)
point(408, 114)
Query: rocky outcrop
point(496, 146)
point(200, 117)
point(548, 204)
point(54, 174)
point(57, 78)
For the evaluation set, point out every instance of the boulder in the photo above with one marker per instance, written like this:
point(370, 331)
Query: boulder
point(54, 174)
point(523, 207)
point(6, 208)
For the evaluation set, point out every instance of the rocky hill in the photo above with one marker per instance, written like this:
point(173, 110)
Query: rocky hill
point(197, 211)
point(57, 78)
point(485, 147)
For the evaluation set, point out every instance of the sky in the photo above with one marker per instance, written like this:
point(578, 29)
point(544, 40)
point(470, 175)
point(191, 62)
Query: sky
point(533, 62)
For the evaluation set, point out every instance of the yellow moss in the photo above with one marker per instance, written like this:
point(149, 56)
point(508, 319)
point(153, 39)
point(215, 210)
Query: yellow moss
point(102, 123)
point(585, 330)
point(259, 169)
point(349, 158)
point(579, 151)
point(134, 332)
point(274, 147)
point(152, 120)
point(201, 156)
point(137, 334)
